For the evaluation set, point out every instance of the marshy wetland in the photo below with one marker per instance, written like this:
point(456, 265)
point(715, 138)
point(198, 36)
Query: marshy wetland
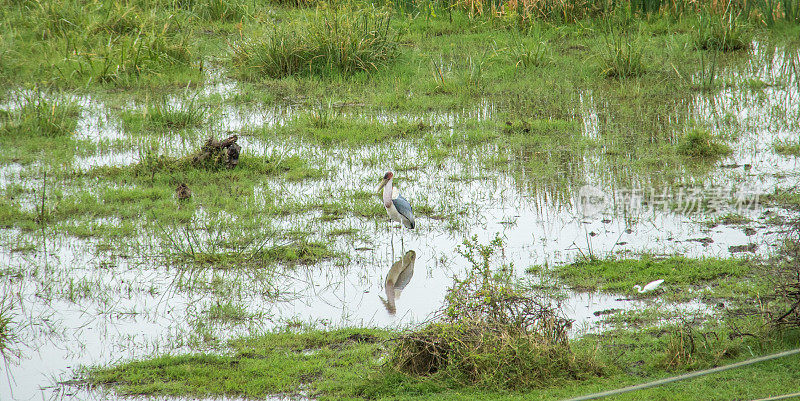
point(556, 154)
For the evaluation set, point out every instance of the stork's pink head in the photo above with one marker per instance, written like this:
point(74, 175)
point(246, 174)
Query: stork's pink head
point(388, 176)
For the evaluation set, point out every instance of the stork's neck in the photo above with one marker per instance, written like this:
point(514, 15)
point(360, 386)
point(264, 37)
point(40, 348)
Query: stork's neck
point(387, 193)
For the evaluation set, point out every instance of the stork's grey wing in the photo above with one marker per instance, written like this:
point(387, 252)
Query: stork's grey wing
point(404, 208)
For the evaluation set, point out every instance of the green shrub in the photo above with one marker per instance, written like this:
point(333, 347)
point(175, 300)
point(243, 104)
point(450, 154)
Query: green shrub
point(491, 334)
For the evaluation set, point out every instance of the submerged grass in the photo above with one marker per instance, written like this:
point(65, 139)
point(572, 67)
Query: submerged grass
point(39, 115)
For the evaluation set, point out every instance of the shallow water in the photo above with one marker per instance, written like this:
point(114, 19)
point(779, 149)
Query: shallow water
point(76, 304)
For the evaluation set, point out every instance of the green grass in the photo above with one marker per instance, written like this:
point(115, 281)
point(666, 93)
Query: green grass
point(166, 115)
point(678, 273)
point(331, 41)
point(258, 366)
point(74, 43)
point(622, 56)
point(492, 94)
point(40, 115)
point(329, 129)
point(344, 364)
point(722, 33)
point(787, 148)
point(700, 143)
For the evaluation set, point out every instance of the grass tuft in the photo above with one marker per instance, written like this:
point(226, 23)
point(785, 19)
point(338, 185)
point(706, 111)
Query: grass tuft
point(331, 41)
point(38, 115)
point(622, 56)
point(787, 147)
point(167, 115)
point(722, 32)
point(700, 143)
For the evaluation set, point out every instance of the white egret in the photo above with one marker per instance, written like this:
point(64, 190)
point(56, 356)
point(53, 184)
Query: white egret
point(648, 287)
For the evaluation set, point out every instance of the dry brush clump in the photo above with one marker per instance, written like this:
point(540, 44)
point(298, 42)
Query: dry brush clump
point(786, 281)
point(491, 334)
point(690, 346)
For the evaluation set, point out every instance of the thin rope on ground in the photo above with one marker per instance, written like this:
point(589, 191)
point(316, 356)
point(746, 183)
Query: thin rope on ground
point(685, 376)
point(780, 397)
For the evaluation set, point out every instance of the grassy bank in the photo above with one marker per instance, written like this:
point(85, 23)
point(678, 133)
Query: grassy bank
point(345, 365)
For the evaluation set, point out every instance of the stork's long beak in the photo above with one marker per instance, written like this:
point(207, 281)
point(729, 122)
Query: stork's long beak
point(383, 184)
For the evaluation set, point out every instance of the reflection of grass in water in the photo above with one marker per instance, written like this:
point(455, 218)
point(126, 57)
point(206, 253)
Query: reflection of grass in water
point(6, 336)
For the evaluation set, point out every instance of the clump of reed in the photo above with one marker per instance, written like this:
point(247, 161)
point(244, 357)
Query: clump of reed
point(621, 55)
point(722, 32)
point(491, 334)
point(699, 142)
point(332, 41)
point(40, 115)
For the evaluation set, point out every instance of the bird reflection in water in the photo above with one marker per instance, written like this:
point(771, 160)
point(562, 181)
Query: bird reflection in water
point(399, 275)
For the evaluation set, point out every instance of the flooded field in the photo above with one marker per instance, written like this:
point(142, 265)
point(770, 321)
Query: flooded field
point(85, 300)
point(124, 237)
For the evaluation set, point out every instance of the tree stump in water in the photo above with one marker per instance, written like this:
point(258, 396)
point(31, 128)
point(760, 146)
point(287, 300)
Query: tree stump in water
point(219, 153)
